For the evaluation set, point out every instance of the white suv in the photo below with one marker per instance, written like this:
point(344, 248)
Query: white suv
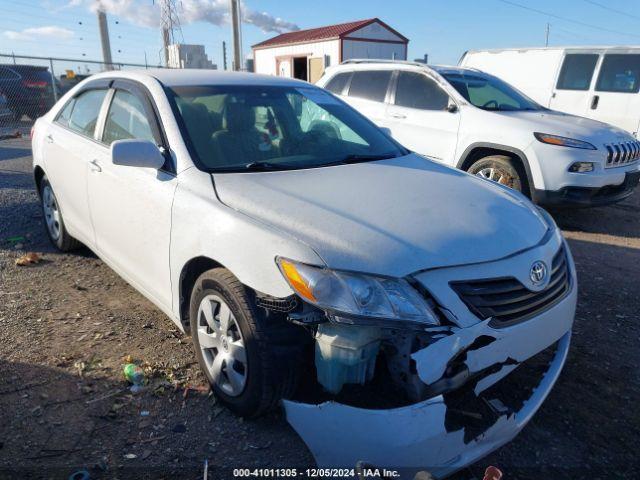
point(314, 259)
point(478, 123)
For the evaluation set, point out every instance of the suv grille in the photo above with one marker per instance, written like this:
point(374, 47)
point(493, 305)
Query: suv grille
point(507, 301)
point(622, 153)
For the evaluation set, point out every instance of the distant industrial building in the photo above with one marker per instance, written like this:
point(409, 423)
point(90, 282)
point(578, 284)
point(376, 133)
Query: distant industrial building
point(306, 53)
point(182, 55)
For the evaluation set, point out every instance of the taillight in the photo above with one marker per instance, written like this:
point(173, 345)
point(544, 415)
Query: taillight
point(34, 83)
point(31, 133)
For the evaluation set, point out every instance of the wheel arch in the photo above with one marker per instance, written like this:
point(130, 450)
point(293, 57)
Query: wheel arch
point(478, 150)
point(188, 276)
point(38, 175)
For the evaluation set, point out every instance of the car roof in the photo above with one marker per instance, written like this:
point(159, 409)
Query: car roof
point(197, 77)
point(399, 65)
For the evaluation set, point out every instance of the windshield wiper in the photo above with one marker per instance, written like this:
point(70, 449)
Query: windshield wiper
point(357, 158)
point(266, 166)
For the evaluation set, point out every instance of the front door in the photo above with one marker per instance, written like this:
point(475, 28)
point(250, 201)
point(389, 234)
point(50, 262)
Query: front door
point(131, 206)
point(615, 98)
point(419, 119)
point(571, 92)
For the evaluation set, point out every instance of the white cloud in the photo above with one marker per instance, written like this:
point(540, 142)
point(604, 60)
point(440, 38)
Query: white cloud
point(215, 12)
point(47, 32)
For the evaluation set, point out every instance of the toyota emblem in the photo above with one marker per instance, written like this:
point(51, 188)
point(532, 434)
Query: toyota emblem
point(538, 273)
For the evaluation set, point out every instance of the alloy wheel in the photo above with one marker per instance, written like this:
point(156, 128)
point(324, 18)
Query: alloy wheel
point(51, 212)
point(222, 345)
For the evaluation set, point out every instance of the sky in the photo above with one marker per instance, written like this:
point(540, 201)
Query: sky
point(442, 29)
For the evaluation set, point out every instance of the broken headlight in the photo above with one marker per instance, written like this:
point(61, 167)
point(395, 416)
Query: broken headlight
point(357, 295)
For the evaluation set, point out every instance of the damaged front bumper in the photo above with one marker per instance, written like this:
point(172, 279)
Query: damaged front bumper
point(462, 424)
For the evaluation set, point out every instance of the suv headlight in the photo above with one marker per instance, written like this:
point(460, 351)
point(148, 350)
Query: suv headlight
point(357, 295)
point(563, 141)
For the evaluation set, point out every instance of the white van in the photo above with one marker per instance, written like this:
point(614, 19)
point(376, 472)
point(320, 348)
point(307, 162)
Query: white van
point(602, 83)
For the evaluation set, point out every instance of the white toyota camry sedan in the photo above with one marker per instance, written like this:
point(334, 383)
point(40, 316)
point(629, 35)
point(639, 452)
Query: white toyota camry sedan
point(404, 313)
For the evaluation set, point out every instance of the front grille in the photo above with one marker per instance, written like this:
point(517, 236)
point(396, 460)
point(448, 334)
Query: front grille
point(623, 153)
point(507, 301)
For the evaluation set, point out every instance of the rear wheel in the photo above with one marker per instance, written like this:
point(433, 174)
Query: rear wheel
point(499, 169)
point(53, 220)
point(243, 354)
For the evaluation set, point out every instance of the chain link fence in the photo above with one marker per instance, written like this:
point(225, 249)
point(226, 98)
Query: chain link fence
point(29, 86)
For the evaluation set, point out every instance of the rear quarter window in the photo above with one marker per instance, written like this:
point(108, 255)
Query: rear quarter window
point(338, 83)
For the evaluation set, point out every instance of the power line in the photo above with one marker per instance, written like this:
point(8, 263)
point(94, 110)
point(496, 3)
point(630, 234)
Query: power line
point(570, 20)
point(611, 9)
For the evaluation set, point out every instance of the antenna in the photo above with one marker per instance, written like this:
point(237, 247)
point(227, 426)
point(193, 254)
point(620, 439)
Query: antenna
point(169, 26)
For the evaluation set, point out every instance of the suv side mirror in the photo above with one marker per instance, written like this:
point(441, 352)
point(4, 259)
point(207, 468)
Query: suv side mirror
point(136, 153)
point(452, 108)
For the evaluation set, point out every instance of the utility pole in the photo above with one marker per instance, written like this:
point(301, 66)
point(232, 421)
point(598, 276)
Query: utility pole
point(546, 35)
point(236, 28)
point(224, 55)
point(104, 40)
point(169, 26)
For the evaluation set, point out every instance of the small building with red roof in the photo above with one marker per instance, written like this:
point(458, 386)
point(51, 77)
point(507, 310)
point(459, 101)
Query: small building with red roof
point(304, 54)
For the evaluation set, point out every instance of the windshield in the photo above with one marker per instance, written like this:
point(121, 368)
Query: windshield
point(489, 93)
point(242, 128)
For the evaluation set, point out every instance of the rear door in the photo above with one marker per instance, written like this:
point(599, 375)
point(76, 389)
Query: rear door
point(131, 206)
point(615, 98)
point(367, 92)
point(571, 93)
point(69, 146)
point(419, 119)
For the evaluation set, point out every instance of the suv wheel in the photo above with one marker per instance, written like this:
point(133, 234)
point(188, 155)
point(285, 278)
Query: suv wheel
point(53, 221)
point(499, 169)
point(235, 345)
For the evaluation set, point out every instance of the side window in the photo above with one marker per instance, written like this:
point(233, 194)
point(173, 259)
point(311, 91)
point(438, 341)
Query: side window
point(415, 90)
point(370, 85)
point(336, 84)
point(619, 73)
point(65, 114)
point(84, 114)
point(6, 74)
point(126, 119)
point(577, 71)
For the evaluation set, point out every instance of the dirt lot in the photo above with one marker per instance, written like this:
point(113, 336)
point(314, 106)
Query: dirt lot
point(67, 324)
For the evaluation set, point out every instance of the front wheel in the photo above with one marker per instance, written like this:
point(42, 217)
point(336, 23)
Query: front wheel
point(237, 346)
point(499, 169)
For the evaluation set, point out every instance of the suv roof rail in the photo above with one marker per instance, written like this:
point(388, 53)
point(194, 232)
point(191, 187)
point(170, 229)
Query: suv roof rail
point(382, 60)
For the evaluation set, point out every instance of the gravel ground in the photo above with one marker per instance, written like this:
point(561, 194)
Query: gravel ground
point(68, 323)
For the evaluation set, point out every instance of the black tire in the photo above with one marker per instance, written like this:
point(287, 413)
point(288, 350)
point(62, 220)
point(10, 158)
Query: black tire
point(502, 167)
point(272, 353)
point(62, 241)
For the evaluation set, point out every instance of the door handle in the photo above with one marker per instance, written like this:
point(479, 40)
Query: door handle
point(49, 138)
point(95, 166)
point(398, 115)
point(594, 102)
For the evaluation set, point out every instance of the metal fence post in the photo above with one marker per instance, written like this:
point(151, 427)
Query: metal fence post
point(53, 81)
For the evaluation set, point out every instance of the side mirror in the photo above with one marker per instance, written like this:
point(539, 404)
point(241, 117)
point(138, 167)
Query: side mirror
point(386, 131)
point(136, 153)
point(452, 108)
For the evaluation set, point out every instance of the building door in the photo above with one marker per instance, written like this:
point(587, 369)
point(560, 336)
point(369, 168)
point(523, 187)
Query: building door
point(316, 69)
point(300, 68)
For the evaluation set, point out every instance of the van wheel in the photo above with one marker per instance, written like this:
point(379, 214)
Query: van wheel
point(499, 169)
point(236, 346)
point(53, 220)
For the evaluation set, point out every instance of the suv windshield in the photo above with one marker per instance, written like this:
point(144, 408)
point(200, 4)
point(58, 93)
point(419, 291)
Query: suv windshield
point(244, 128)
point(488, 92)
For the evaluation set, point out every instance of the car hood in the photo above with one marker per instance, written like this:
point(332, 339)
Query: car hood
point(390, 217)
point(571, 126)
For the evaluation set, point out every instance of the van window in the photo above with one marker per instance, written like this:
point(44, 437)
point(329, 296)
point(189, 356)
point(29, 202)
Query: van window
point(619, 73)
point(126, 119)
point(371, 85)
point(577, 71)
point(336, 84)
point(85, 112)
point(416, 90)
